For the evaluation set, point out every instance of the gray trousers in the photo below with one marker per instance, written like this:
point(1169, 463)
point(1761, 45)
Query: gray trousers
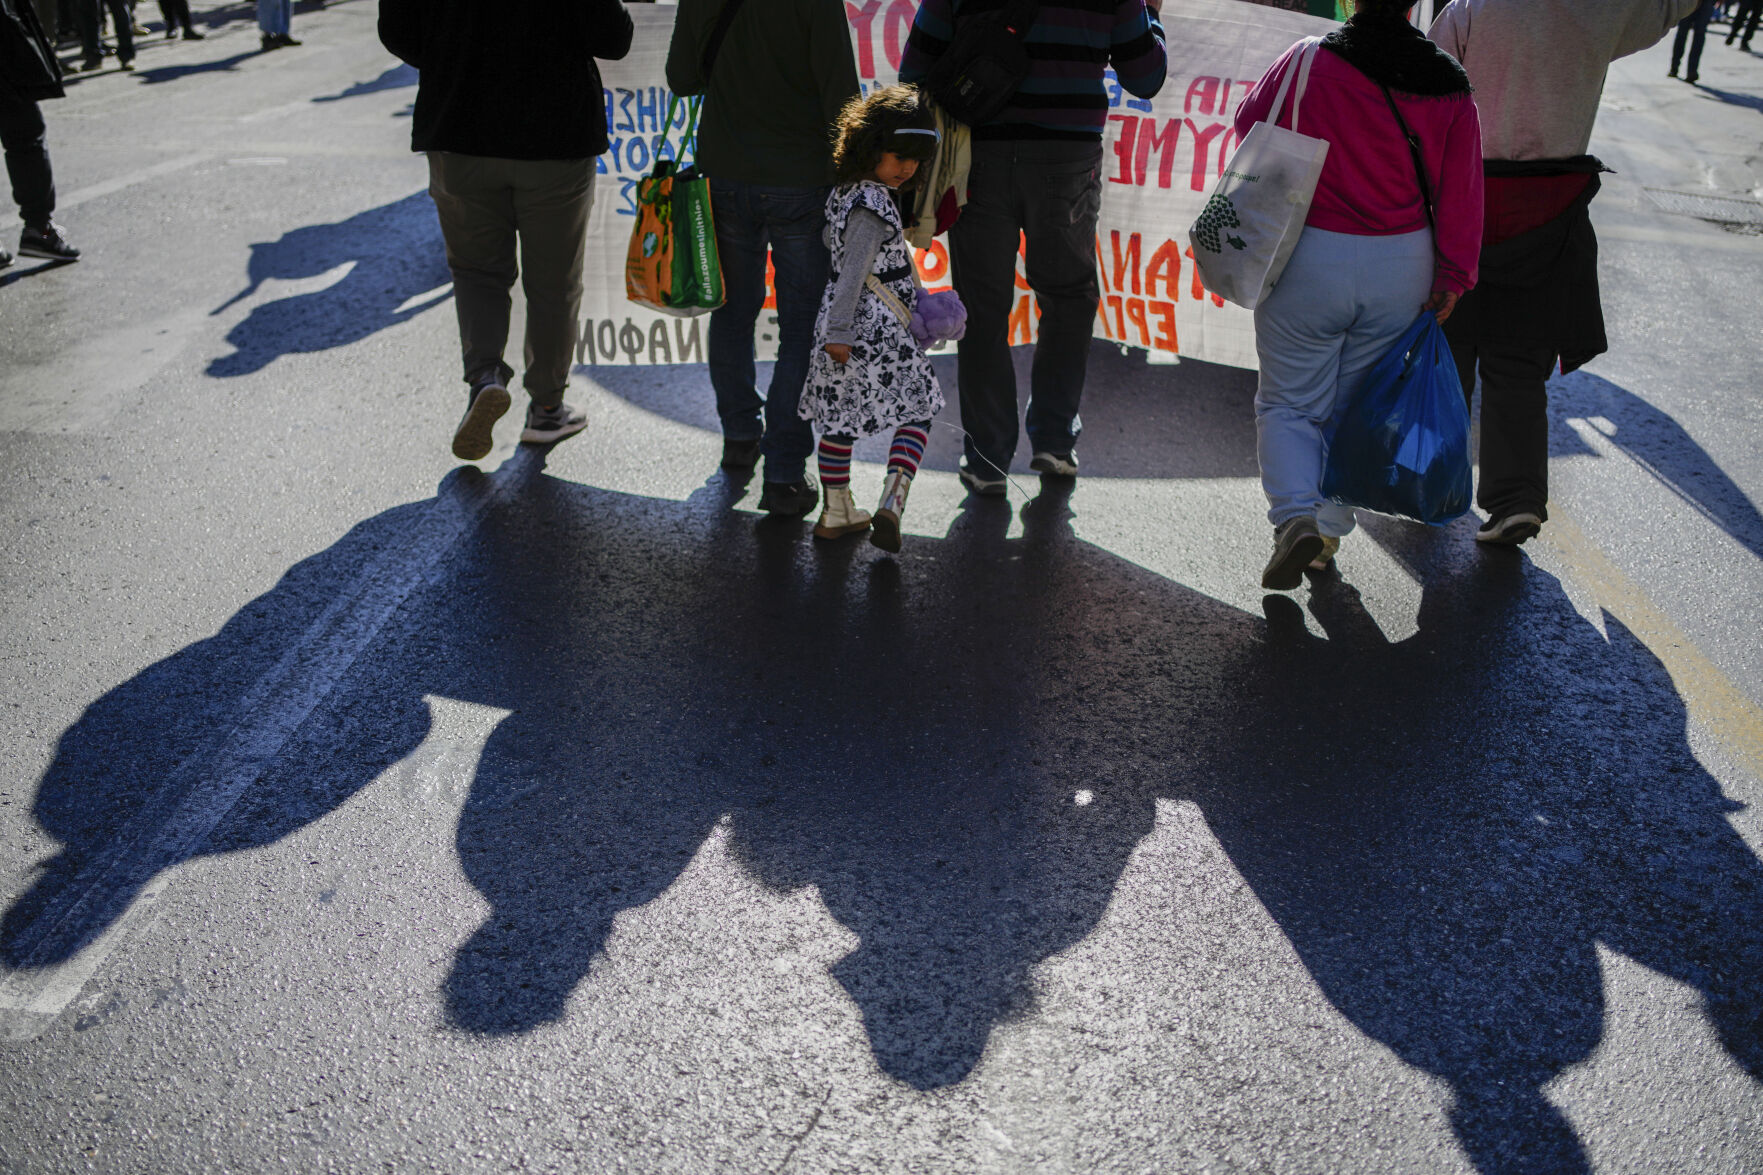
point(485, 205)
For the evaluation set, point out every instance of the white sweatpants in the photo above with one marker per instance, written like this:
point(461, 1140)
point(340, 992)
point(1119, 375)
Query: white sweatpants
point(1340, 304)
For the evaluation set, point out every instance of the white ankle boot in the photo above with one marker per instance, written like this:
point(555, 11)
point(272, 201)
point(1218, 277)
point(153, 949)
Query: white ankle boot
point(886, 534)
point(839, 516)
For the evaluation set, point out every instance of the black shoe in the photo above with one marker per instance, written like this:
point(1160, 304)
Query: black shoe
point(5, 259)
point(1672, 72)
point(45, 240)
point(1690, 78)
point(267, 42)
point(285, 40)
point(738, 454)
point(89, 64)
point(791, 499)
point(193, 35)
point(127, 66)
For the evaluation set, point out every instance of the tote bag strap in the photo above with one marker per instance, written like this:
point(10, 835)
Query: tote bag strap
point(1299, 69)
point(889, 299)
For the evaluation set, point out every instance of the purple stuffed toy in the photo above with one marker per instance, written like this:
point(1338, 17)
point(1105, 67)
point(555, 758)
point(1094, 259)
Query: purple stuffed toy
point(938, 317)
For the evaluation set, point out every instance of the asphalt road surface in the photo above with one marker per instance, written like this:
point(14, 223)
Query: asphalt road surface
point(360, 810)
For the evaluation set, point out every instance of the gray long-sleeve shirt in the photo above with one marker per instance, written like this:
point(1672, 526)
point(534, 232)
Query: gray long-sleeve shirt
point(864, 234)
point(1538, 66)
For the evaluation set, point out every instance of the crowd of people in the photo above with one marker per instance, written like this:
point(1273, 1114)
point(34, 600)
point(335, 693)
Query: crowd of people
point(32, 35)
point(1459, 185)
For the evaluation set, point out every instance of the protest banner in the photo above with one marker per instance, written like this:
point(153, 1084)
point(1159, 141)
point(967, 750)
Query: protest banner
point(1160, 157)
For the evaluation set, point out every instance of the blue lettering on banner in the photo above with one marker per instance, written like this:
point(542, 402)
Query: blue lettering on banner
point(1117, 96)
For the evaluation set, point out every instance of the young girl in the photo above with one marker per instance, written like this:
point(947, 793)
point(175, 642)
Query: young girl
point(867, 373)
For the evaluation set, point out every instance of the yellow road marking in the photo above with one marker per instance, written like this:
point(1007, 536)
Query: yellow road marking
point(1713, 701)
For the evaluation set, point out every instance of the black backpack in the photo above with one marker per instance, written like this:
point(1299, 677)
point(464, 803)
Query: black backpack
point(977, 75)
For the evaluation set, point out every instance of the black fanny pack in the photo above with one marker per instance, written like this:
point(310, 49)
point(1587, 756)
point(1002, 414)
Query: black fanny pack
point(979, 73)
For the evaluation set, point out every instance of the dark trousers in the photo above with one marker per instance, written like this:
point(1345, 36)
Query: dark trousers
point(1693, 27)
point(1747, 11)
point(120, 17)
point(751, 220)
point(177, 14)
point(1049, 193)
point(27, 159)
point(1514, 421)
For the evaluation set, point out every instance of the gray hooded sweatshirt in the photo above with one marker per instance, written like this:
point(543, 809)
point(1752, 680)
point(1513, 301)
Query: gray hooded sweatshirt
point(1538, 66)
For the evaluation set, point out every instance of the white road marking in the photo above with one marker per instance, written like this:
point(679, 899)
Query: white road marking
point(133, 868)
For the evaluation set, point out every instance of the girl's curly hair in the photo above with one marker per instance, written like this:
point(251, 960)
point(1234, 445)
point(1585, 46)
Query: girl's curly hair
point(867, 126)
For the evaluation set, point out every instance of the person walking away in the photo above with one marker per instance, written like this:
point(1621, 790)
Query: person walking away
point(774, 77)
point(275, 21)
point(1036, 174)
point(1693, 28)
point(1746, 13)
point(29, 73)
point(512, 114)
point(867, 373)
point(1367, 262)
point(1538, 69)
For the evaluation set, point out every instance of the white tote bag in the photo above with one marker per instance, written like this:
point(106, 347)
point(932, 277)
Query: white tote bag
point(1250, 226)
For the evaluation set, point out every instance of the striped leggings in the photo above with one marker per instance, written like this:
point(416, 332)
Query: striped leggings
point(905, 454)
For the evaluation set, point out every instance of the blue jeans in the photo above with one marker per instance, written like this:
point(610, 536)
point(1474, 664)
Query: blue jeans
point(749, 218)
point(275, 17)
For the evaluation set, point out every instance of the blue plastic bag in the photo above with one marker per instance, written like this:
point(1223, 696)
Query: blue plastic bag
point(1401, 444)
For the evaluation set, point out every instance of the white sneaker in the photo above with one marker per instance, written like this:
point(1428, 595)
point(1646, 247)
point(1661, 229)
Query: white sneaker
point(1510, 530)
point(1054, 464)
point(886, 534)
point(840, 516)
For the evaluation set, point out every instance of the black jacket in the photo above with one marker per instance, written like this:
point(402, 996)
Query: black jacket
point(512, 79)
point(29, 70)
point(1541, 287)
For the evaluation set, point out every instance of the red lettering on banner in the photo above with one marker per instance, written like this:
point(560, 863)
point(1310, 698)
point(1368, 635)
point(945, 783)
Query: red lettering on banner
point(1022, 255)
point(1164, 312)
point(862, 18)
point(770, 283)
point(1200, 286)
point(1119, 319)
point(1165, 145)
point(896, 26)
point(1023, 320)
point(1165, 266)
point(1123, 147)
point(1135, 314)
point(1202, 149)
point(933, 264)
point(1126, 262)
point(1207, 91)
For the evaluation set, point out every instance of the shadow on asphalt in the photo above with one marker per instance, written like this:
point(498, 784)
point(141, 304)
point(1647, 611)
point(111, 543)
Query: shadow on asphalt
point(1444, 827)
point(395, 256)
point(396, 78)
point(1657, 443)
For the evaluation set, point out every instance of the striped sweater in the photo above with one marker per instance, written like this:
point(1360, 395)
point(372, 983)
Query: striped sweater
point(1070, 46)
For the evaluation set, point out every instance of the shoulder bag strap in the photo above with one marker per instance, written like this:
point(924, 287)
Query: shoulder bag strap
point(724, 19)
point(1418, 157)
point(889, 299)
point(1298, 70)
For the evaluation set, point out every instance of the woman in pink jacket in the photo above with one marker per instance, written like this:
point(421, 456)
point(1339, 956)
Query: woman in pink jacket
point(1370, 257)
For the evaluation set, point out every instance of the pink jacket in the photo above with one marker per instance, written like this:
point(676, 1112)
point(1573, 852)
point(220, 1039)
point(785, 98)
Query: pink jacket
point(1368, 187)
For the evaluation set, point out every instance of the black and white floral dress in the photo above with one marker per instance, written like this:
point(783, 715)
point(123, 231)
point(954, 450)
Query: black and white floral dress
point(888, 381)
